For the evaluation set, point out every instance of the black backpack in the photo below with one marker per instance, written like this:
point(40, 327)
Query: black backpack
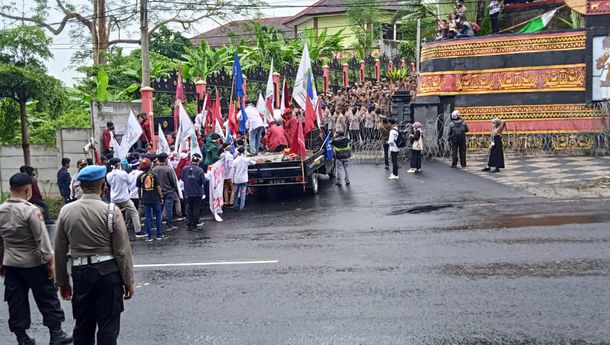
point(400, 140)
point(459, 131)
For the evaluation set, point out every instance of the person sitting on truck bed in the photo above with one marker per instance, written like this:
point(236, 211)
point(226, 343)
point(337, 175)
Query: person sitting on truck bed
point(290, 124)
point(276, 139)
point(212, 152)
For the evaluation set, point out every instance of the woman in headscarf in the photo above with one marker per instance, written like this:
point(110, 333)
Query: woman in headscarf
point(496, 152)
point(417, 144)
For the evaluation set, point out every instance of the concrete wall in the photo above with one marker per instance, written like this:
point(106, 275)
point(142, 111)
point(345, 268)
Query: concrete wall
point(46, 160)
point(116, 112)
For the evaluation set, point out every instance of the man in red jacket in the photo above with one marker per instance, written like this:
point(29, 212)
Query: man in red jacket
point(276, 138)
point(108, 135)
point(146, 133)
point(290, 124)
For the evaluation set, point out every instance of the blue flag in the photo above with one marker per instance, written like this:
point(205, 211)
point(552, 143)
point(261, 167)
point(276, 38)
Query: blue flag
point(239, 91)
point(309, 87)
point(328, 148)
point(244, 117)
point(230, 140)
point(238, 76)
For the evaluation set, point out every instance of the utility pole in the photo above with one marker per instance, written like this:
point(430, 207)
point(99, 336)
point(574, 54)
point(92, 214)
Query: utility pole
point(417, 45)
point(144, 43)
point(145, 90)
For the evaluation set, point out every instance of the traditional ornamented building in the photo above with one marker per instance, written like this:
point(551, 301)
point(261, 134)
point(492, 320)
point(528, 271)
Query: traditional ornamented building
point(544, 85)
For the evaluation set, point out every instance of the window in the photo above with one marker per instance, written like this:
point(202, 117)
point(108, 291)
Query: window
point(387, 31)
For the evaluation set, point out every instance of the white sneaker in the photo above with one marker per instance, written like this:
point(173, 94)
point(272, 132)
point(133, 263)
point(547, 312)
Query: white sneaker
point(411, 171)
point(393, 177)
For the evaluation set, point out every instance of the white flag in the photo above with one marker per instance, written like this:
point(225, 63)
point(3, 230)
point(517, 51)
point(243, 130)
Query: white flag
point(133, 131)
point(283, 102)
point(218, 130)
point(270, 88)
point(185, 128)
point(194, 145)
point(262, 108)
point(163, 145)
point(299, 92)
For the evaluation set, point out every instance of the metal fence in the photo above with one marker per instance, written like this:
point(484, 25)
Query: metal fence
point(368, 147)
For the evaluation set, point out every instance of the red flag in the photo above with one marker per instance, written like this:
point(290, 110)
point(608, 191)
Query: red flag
point(233, 118)
point(179, 97)
point(310, 115)
point(217, 112)
point(298, 141)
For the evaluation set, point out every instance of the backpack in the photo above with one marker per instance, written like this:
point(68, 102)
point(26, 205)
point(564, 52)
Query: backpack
point(475, 27)
point(400, 140)
point(459, 130)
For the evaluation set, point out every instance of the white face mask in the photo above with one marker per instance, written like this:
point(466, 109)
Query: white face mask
point(29, 195)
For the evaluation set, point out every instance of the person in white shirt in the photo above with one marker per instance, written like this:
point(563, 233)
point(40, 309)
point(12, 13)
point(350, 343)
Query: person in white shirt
point(199, 121)
point(240, 177)
point(133, 188)
point(227, 157)
point(120, 183)
point(256, 127)
point(394, 149)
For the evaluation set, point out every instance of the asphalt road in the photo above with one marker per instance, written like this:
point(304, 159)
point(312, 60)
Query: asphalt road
point(441, 258)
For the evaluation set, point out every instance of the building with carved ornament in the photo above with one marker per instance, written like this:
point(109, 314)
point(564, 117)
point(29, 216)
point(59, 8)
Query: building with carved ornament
point(551, 88)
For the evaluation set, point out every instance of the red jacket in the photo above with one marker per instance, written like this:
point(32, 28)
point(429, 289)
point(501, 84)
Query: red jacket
point(290, 126)
point(145, 137)
point(107, 137)
point(36, 195)
point(275, 137)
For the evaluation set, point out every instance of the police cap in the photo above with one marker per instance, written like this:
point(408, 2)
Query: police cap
point(91, 173)
point(19, 180)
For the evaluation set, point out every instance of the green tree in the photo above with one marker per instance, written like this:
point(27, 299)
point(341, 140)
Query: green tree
point(102, 19)
point(204, 61)
point(23, 78)
point(169, 43)
point(362, 15)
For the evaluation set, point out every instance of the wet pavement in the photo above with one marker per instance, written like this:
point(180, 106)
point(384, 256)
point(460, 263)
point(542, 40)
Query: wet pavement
point(445, 257)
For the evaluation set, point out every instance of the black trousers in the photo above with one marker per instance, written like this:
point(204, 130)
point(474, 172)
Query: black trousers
point(17, 284)
point(97, 302)
point(394, 163)
point(386, 148)
point(194, 209)
point(415, 159)
point(495, 18)
point(460, 148)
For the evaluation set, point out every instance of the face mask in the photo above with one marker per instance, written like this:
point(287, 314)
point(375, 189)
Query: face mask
point(29, 194)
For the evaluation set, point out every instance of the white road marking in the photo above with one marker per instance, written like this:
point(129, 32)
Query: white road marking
point(218, 263)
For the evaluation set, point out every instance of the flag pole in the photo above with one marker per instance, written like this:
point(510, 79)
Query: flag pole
point(529, 20)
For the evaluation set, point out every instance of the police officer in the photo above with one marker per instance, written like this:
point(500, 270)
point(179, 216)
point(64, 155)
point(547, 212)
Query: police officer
point(26, 262)
point(94, 233)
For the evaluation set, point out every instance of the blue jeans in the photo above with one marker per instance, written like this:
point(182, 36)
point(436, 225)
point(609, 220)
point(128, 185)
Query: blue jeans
point(255, 136)
point(240, 191)
point(169, 207)
point(148, 212)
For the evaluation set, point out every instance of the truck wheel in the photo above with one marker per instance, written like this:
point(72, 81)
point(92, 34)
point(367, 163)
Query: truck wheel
point(314, 184)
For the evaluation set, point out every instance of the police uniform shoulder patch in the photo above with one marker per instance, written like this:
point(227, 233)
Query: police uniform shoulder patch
point(40, 216)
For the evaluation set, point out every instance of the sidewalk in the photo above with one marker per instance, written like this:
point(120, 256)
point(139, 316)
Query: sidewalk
point(552, 177)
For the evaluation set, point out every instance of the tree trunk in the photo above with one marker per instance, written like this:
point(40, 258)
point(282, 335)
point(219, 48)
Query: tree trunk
point(25, 140)
point(102, 34)
point(99, 36)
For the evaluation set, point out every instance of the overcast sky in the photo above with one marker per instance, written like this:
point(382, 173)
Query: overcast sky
point(62, 49)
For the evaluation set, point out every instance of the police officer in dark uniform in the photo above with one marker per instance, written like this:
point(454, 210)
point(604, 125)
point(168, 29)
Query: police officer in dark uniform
point(26, 262)
point(94, 233)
